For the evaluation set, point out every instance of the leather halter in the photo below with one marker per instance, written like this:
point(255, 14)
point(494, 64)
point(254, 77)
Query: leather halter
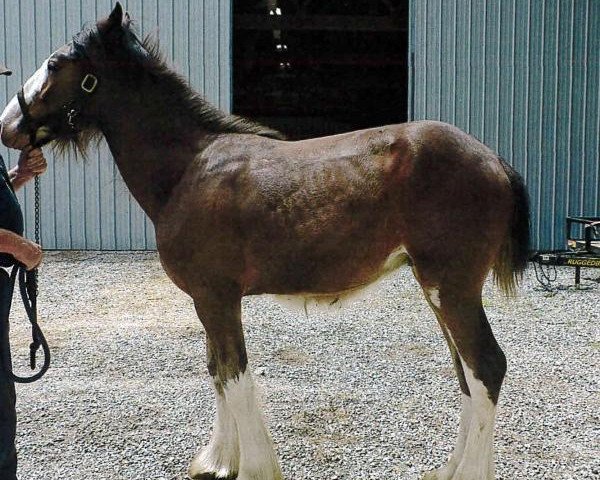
point(72, 110)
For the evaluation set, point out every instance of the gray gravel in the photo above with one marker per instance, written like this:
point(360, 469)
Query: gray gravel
point(365, 393)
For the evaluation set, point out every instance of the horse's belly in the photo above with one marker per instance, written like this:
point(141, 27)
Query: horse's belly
point(322, 301)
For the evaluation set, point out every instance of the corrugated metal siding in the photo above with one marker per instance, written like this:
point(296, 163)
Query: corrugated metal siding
point(86, 205)
point(522, 76)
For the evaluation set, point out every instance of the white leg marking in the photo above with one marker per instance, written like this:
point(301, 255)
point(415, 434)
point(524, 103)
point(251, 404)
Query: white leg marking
point(221, 456)
point(477, 461)
point(446, 472)
point(434, 296)
point(463, 430)
point(257, 456)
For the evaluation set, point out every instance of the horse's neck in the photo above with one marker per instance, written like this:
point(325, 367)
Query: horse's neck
point(151, 156)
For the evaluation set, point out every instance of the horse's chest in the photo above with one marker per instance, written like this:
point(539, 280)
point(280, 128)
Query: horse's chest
point(175, 274)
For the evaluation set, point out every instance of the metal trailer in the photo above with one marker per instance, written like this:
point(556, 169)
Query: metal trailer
point(582, 250)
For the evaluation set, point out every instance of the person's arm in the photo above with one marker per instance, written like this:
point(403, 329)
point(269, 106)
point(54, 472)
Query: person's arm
point(31, 163)
point(25, 251)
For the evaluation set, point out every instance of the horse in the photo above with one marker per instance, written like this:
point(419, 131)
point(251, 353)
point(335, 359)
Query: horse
point(238, 211)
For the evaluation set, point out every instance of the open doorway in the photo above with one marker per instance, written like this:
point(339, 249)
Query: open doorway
point(313, 67)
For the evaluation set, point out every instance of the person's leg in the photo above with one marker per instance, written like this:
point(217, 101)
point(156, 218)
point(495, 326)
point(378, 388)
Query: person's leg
point(8, 415)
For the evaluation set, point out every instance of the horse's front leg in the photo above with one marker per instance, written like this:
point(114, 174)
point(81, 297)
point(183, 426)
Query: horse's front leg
point(221, 457)
point(240, 446)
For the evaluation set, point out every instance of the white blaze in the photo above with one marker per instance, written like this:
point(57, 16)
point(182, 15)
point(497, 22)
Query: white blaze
point(11, 116)
point(36, 82)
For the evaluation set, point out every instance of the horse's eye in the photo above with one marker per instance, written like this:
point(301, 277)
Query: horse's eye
point(52, 67)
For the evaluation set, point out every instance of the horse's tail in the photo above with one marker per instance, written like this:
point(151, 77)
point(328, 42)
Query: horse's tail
point(512, 259)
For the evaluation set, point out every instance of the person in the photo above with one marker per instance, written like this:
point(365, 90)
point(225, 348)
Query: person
point(13, 248)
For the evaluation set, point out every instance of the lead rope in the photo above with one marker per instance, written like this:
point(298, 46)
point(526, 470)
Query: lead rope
point(28, 287)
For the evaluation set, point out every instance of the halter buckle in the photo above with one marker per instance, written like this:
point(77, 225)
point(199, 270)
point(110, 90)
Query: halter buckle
point(89, 83)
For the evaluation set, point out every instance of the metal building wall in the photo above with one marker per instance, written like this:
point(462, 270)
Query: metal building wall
point(522, 76)
point(85, 205)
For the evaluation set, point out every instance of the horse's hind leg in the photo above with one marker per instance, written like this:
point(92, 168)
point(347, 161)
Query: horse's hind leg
point(445, 472)
point(240, 446)
point(480, 365)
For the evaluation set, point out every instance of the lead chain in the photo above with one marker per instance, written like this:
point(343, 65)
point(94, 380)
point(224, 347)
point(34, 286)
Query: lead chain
point(37, 208)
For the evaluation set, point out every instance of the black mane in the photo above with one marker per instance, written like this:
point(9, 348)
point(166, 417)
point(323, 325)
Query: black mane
point(148, 54)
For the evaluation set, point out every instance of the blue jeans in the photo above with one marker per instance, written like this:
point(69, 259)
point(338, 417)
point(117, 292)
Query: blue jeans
point(8, 415)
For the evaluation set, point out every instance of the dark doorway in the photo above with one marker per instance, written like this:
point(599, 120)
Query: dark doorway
point(317, 67)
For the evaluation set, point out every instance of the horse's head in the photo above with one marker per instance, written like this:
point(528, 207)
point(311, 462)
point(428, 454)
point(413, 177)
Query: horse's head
point(61, 100)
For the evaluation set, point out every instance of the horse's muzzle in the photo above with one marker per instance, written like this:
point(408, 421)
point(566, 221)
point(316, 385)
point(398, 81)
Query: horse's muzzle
point(19, 129)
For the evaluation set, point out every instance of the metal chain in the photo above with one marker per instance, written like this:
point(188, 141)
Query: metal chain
point(37, 209)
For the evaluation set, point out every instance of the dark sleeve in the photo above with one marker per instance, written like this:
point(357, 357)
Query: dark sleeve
point(11, 217)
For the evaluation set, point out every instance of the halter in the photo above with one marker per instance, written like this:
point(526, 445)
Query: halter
point(72, 110)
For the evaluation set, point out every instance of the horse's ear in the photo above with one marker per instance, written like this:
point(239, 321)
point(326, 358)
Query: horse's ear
point(116, 16)
point(111, 28)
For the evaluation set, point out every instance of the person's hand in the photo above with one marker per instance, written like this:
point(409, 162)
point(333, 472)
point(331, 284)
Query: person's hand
point(31, 163)
point(28, 253)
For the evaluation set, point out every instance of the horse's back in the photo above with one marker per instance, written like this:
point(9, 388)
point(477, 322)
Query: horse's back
point(391, 146)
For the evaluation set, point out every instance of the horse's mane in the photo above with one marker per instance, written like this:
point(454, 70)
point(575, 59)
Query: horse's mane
point(145, 58)
point(206, 114)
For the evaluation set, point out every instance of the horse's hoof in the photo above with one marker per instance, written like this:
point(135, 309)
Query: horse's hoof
point(209, 476)
point(197, 472)
point(442, 473)
point(203, 476)
point(203, 468)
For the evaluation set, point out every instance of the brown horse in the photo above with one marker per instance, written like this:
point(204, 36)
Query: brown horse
point(238, 211)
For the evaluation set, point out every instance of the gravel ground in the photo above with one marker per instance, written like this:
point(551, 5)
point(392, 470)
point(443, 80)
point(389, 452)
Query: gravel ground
point(364, 393)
